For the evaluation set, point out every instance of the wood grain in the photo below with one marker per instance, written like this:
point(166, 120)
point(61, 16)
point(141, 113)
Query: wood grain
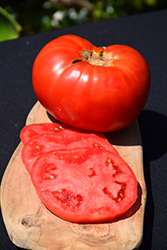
point(31, 226)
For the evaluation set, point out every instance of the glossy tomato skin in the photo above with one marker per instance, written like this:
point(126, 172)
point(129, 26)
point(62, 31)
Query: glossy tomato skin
point(99, 98)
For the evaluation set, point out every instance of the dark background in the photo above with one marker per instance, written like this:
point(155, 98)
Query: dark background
point(34, 16)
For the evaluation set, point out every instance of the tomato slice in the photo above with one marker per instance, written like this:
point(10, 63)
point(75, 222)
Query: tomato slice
point(51, 128)
point(39, 144)
point(85, 185)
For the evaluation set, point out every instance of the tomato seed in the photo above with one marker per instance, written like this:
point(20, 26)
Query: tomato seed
point(108, 161)
point(68, 198)
point(75, 156)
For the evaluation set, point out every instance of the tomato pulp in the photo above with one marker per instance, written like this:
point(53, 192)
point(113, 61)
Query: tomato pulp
point(79, 176)
point(54, 128)
point(89, 87)
point(84, 185)
point(42, 138)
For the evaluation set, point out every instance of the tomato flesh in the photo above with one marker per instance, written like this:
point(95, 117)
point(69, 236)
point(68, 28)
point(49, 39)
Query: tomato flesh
point(85, 185)
point(42, 138)
point(39, 144)
point(52, 128)
point(79, 176)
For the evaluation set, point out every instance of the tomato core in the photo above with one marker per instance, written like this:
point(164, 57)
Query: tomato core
point(98, 59)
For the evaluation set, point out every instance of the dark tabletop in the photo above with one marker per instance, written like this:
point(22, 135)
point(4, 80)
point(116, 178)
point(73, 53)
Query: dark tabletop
point(148, 34)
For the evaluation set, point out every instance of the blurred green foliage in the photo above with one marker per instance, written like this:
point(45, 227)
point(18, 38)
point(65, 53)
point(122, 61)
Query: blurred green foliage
point(9, 27)
point(24, 17)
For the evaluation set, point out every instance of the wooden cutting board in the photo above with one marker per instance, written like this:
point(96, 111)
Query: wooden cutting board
point(31, 226)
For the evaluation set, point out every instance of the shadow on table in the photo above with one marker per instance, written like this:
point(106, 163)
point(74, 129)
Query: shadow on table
point(153, 128)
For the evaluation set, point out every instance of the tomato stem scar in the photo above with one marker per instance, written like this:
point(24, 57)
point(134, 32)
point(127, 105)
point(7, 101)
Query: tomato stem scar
point(97, 59)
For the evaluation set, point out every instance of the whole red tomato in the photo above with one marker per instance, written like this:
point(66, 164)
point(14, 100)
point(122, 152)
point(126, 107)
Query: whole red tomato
point(89, 87)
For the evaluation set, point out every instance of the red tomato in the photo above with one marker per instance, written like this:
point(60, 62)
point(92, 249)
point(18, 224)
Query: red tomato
point(84, 185)
point(91, 87)
point(42, 138)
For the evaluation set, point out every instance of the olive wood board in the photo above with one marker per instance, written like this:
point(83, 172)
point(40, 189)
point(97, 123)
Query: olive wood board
point(31, 226)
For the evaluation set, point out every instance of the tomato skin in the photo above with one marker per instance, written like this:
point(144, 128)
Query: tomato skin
point(98, 98)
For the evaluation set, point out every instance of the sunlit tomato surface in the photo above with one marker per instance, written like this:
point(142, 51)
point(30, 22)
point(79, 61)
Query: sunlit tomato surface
point(91, 87)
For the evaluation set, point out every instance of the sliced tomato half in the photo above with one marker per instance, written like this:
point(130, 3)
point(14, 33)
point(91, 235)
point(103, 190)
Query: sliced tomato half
point(52, 128)
point(87, 185)
point(40, 144)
